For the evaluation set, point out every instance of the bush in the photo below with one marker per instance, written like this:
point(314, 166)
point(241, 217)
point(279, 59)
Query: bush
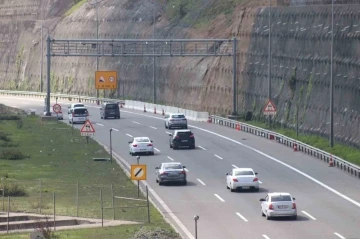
point(9, 144)
point(13, 155)
point(9, 117)
point(13, 190)
point(4, 136)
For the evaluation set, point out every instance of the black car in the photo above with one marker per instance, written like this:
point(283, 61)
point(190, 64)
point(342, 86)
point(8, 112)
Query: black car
point(110, 110)
point(182, 138)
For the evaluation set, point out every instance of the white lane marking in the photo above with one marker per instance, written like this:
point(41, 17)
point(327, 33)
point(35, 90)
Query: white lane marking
point(152, 127)
point(234, 166)
point(218, 156)
point(259, 181)
point(242, 217)
point(170, 158)
point(219, 197)
point(307, 214)
point(337, 234)
point(201, 147)
point(129, 135)
point(267, 156)
point(99, 124)
point(136, 122)
point(167, 132)
point(186, 169)
point(201, 182)
point(115, 129)
point(266, 237)
point(157, 149)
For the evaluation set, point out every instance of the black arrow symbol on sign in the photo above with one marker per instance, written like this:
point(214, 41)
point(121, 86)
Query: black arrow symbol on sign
point(138, 172)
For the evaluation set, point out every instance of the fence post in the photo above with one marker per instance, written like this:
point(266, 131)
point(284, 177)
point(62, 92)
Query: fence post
point(3, 193)
point(77, 199)
point(40, 198)
point(54, 212)
point(8, 215)
point(102, 209)
point(112, 198)
point(148, 204)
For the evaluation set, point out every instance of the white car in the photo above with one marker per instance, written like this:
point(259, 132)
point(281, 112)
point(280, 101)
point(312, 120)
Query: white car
point(175, 120)
point(141, 145)
point(76, 105)
point(242, 178)
point(278, 205)
point(59, 115)
point(78, 115)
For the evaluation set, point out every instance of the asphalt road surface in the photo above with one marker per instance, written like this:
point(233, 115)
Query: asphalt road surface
point(328, 200)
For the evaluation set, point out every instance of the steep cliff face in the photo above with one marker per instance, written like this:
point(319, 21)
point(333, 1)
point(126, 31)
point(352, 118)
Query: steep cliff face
point(300, 55)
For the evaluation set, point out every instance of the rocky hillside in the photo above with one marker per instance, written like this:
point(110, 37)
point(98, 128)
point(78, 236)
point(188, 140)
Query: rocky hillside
point(300, 55)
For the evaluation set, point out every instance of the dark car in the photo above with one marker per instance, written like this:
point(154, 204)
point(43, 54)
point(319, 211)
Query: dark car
point(182, 138)
point(110, 110)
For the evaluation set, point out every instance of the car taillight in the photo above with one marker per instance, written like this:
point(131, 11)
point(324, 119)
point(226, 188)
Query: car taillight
point(271, 207)
point(293, 206)
point(255, 179)
point(134, 145)
point(149, 145)
point(182, 172)
point(192, 136)
point(177, 137)
point(235, 180)
point(164, 173)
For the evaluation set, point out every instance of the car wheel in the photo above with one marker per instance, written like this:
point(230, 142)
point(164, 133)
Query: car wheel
point(171, 146)
point(157, 180)
point(294, 217)
point(227, 187)
point(101, 117)
point(267, 217)
point(160, 183)
point(174, 147)
point(262, 213)
point(169, 127)
point(192, 146)
point(231, 189)
point(185, 127)
point(256, 189)
point(165, 126)
point(152, 153)
point(185, 182)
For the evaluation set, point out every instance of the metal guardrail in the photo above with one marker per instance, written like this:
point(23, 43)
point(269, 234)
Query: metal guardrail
point(289, 142)
point(282, 139)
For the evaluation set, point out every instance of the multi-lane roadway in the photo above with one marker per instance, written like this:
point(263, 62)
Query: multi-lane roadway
point(328, 200)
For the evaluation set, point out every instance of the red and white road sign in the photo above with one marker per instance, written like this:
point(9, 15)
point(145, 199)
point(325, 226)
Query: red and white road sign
point(57, 108)
point(270, 108)
point(87, 129)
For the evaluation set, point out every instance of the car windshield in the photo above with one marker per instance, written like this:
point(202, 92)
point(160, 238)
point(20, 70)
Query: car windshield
point(281, 198)
point(172, 166)
point(239, 173)
point(142, 140)
point(112, 106)
point(178, 116)
point(80, 111)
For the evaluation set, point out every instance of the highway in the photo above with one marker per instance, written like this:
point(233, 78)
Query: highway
point(328, 200)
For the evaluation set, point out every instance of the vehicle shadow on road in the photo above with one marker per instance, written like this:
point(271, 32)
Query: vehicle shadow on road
point(286, 219)
point(180, 184)
point(261, 190)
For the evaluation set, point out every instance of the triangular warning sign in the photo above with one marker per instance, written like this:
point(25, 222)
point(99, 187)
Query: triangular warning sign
point(269, 108)
point(87, 127)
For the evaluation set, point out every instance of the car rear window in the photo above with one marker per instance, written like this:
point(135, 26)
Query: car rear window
point(112, 106)
point(142, 140)
point(80, 111)
point(283, 198)
point(239, 173)
point(178, 116)
point(172, 166)
point(184, 134)
point(79, 105)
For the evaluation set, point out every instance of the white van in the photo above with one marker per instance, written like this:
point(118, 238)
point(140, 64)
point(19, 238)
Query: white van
point(78, 115)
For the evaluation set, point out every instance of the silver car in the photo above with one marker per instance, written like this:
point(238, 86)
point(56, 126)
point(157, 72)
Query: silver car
point(175, 120)
point(279, 204)
point(171, 172)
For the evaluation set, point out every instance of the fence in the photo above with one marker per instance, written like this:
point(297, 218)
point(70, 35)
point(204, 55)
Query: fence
point(109, 202)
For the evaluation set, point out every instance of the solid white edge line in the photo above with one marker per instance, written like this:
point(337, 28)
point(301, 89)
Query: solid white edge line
point(242, 217)
point(115, 129)
point(266, 237)
point(125, 166)
point(234, 166)
point(170, 158)
point(135, 122)
point(337, 234)
point(218, 156)
point(129, 135)
point(219, 197)
point(152, 127)
point(157, 149)
point(201, 147)
point(307, 214)
point(99, 124)
point(201, 182)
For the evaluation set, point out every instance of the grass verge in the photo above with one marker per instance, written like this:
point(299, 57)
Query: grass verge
point(345, 152)
point(58, 160)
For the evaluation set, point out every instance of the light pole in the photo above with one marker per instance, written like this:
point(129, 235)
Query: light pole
point(269, 70)
point(42, 46)
point(48, 57)
point(331, 79)
point(111, 145)
point(196, 218)
point(154, 81)
point(138, 181)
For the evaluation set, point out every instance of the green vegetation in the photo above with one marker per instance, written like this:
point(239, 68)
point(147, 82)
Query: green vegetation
point(77, 5)
point(343, 151)
point(58, 160)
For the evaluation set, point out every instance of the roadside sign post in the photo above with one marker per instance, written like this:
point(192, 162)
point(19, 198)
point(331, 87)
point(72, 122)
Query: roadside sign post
point(196, 218)
point(269, 110)
point(110, 146)
point(87, 130)
point(106, 80)
point(138, 172)
point(57, 109)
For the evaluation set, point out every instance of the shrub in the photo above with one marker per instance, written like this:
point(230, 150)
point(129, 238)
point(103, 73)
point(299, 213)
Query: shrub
point(4, 136)
point(13, 190)
point(13, 155)
point(9, 117)
point(9, 144)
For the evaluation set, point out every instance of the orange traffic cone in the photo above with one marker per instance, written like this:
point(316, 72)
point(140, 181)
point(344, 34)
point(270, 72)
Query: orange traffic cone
point(238, 127)
point(144, 108)
point(331, 162)
point(163, 112)
point(154, 110)
point(295, 147)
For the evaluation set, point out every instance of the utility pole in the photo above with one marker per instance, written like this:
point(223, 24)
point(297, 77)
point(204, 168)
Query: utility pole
point(154, 81)
point(331, 79)
point(42, 46)
point(269, 70)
